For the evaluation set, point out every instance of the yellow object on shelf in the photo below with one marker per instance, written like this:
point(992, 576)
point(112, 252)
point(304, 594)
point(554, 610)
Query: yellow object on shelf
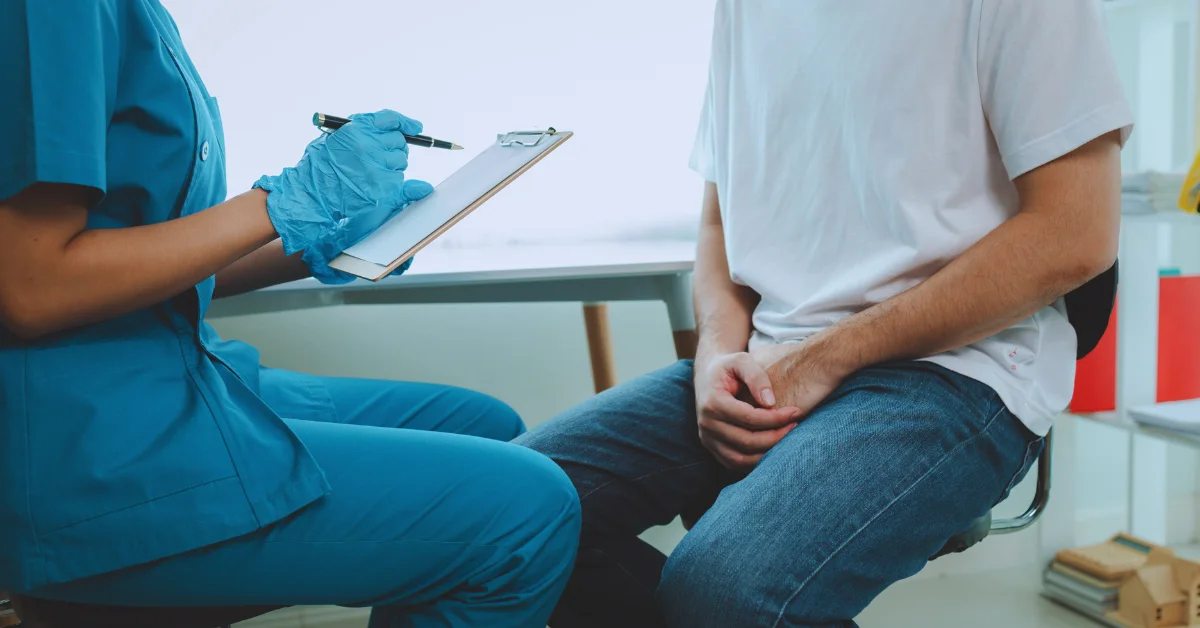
point(1189, 199)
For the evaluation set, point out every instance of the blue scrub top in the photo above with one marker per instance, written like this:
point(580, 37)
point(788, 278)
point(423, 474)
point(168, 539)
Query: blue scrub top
point(143, 436)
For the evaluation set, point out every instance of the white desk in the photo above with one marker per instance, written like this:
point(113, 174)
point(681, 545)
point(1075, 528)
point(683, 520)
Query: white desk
point(590, 273)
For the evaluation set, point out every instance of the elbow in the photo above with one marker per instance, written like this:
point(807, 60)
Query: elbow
point(1092, 260)
point(20, 315)
point(1103, 253)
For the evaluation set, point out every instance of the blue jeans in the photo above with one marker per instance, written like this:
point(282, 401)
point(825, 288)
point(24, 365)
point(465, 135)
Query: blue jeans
point(434, 519)
point(899, 459)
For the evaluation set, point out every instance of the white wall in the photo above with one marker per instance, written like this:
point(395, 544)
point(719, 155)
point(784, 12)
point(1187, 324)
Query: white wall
point(1154, 45)
point(627, 76)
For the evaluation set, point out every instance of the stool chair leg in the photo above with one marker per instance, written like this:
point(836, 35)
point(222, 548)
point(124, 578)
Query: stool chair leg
point(1041, 496)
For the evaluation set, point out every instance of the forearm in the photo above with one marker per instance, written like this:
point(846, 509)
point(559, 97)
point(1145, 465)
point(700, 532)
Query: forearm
point(1065, 234)
point(723, 308)
point(103, 273)
point(1016, 270)
point(267, 266)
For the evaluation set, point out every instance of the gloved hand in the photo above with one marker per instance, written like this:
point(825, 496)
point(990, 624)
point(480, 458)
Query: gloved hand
point(402, 268)
point(346, 185)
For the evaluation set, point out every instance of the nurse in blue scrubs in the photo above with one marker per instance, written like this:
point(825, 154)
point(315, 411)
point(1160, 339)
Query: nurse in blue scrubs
point(146, 462)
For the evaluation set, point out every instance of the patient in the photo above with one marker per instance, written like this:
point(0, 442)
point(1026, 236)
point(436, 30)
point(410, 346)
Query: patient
point(897, 196)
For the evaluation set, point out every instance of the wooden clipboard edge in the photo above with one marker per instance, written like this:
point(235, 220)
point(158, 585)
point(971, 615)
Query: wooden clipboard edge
point(564, 135)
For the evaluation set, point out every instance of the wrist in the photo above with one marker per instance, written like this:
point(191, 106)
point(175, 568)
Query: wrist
point(264, 226)
point(246, 215)
point(283, 197)
point(709, 347)
point(834, 353)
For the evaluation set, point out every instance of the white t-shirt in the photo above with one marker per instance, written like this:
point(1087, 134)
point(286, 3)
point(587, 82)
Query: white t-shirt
point(860, 146)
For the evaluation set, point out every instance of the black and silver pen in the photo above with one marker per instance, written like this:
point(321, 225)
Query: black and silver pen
point(332, 123)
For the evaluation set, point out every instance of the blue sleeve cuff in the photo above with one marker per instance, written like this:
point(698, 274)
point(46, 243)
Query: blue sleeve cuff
point(54, 166)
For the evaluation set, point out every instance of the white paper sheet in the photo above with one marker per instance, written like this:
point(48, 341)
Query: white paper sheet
point(475, 179)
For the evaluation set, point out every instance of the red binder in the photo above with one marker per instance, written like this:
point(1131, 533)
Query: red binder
point(1178, 352)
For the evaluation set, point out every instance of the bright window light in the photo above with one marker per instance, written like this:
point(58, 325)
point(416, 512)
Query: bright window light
point(626, 76)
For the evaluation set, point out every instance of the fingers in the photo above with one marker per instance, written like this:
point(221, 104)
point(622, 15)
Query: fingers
point(732, 459)
point(415, 190)
point(728, 409)
point(388, 120)
point(393, 141)
point(754, 377)
point(406, 193)
point(395, 159)
point(743, 440)
point(729, 457)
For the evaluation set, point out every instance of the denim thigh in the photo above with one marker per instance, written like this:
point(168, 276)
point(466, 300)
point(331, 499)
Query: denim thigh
point(634, 455)
point(899, 459)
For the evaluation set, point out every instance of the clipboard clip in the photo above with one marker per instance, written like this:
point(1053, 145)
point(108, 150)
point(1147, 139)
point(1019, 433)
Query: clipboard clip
point(518, 138)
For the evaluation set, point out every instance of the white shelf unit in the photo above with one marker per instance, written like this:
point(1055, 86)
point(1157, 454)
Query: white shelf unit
point(1145, 244)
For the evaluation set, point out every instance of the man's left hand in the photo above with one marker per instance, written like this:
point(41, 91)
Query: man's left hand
point(803, 374)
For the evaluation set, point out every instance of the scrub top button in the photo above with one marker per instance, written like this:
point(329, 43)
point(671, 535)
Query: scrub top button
point(204, 152)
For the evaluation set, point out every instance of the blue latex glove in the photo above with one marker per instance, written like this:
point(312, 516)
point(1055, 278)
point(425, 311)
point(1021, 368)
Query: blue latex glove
point(403, 267)
point(346, 185)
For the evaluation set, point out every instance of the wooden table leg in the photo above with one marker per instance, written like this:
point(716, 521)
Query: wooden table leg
point(685, 343)
point(604, 370)
point(678, 298)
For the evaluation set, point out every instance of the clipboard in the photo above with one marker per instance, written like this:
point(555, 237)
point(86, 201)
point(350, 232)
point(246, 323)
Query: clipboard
point(411, 230)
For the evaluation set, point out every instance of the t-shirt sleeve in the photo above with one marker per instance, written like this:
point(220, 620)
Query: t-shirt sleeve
point(704, 150)
point(1047, 79)
point(58, 76)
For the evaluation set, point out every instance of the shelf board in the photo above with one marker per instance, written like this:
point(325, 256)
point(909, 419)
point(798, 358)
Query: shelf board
point(1171, 218)
point(1115, 421)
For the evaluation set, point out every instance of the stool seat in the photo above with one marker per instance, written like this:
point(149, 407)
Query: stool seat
point(37, 613)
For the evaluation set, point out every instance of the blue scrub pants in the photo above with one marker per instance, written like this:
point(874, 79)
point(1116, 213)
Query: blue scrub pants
point(434, 519)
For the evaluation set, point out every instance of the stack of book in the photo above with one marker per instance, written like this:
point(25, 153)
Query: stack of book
point(1151, 192)
point(1086, 593)
point(1090, 579)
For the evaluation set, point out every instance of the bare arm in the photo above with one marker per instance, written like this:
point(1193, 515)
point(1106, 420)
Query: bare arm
point(729, 384)
point(1065, 234)
point(56, 274)
point(723, 308)
point(266, 266)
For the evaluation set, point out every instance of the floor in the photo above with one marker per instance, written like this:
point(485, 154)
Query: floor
point(1000, 599)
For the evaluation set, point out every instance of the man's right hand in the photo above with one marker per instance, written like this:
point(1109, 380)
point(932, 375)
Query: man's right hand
point(735, 410)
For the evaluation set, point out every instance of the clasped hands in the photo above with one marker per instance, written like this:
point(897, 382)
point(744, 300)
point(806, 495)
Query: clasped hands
point(747, 402)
